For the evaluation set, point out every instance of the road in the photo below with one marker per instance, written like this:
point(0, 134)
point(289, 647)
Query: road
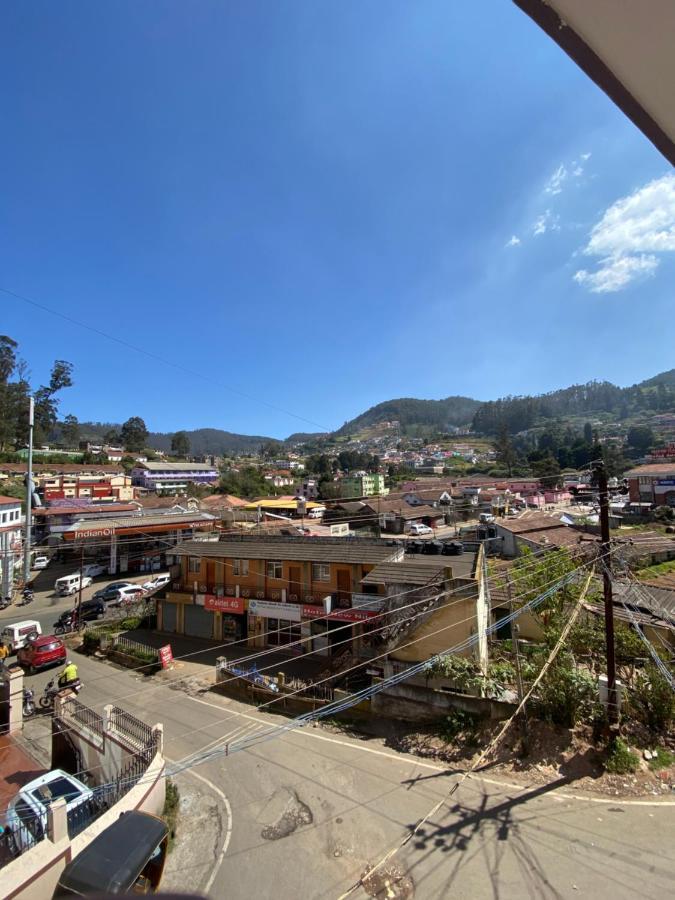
point(303, 814)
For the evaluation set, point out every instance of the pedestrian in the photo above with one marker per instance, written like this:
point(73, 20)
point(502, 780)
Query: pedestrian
point(4, 652)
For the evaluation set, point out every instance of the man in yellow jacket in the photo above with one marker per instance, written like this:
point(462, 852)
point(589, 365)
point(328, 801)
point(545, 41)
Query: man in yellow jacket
point(69, 674)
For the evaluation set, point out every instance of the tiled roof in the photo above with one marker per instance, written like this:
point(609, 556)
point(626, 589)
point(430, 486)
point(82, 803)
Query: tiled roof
point(5, 501)
point(216, 501)
point(46, 511)
point(530, 521)
point(176, 467)
point(290, 548)
point(63, 468)
point(417, 571)
point(402, 509)
point(651, 469)
point(140, 521)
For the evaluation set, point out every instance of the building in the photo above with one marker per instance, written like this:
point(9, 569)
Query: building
point(11, 547)
point(397, 516)
point(535, 531)
point(653, 483)
point(71, 481)
point(269, 590)
point(364, 485)
point(172, 477)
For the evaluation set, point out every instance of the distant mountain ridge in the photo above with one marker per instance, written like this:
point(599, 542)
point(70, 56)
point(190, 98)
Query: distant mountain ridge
point(655, 394)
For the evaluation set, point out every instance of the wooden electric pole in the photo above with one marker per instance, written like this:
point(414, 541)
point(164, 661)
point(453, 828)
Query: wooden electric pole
point(524, 731)
point(605, 558)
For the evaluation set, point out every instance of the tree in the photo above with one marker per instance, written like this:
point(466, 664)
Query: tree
point(180, 443)
point(134, 434)
point(506, 454)
point(588, 433)
point(46, 406)
point(640, 438)
point(112, 438)
point(70, 430)
point(547, 470)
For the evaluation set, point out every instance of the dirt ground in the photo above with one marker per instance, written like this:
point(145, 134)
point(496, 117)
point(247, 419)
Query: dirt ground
point(553, 752)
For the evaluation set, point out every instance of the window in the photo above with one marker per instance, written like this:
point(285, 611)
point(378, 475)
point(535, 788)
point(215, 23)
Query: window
point(320, 572)
point(195, 565)
point(275, 569)
point(240, 567)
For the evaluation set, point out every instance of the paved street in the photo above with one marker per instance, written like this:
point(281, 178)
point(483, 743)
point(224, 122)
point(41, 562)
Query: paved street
point(303, 814)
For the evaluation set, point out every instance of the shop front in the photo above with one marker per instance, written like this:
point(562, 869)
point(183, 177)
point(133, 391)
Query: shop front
point(333, 632)
point(275, 624)
point(232, 612)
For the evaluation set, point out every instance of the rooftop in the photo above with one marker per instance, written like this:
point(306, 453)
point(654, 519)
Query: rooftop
point(175, 467)
point(661, 468)
point(530, 521)
point(97, 509)
point(142, 522)
point(410, 571)
point(62, 468)
point(309, 549)
point(6, 501)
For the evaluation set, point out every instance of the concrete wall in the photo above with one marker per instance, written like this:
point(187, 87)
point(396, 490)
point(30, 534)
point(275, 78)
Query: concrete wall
point(413, 703)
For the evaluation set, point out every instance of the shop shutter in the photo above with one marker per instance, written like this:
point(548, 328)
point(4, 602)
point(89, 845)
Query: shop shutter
point(169, 615)
point(198, 622)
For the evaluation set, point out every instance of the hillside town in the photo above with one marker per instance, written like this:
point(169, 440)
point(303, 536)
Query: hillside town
point(337, 451)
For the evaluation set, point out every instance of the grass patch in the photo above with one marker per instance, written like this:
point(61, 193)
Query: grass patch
point(664, 568)
point(663, 759)
point(620, 759)
point(170, 811)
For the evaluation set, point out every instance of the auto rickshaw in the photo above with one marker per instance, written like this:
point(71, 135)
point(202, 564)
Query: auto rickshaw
point(127, 858)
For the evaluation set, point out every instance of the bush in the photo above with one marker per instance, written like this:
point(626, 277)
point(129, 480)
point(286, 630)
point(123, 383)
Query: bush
point(171, 809)
point(566, 695)
point(652, 700)
point(663, 760)
point(620, 759)
point(457, 723)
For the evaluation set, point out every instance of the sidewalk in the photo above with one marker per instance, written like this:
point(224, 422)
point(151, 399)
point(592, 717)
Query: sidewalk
point(198, 656)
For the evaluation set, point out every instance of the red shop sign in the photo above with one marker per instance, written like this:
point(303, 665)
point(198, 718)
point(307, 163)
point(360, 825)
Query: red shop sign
point(352, 615)
point(165, 656)
point(224, 604)
point(312, 612)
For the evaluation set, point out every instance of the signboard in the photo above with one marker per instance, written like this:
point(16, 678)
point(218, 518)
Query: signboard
point(224, 604)
point(272, 609)
point(666, 482)
point(312, 612)
point(341, 529)
point(344, 615)
point(165, 656)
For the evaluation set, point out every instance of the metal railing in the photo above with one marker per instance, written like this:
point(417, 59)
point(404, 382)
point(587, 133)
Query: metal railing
point(124, 723)
point(134, 647)
point(73, 709)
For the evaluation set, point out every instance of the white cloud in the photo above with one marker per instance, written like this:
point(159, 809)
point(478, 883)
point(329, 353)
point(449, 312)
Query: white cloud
point(555, 182)
point(630, 232)
point(546, 222)
point(513, 241)
point(577, 171)
point(585, 156)
point(616, 272)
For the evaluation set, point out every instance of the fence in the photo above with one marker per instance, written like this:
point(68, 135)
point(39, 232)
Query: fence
point(135, 648)
point(73, 709)
point(124, 723)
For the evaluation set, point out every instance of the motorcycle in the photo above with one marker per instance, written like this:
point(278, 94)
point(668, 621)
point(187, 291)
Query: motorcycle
point(28, 703)
point(28, 596)
point(51, 690)
point(5, 602)
point(65, 623)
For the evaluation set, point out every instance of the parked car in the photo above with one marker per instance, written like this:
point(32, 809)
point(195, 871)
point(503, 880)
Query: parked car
point(131, 593)
point(17, 634)
point(41, 652)
point(418, 528)
point(157, 582)
point(92, 609)
point(70, 584)
point(94, 569)
point(41, 562)
point(110, 595)
point(27, 813)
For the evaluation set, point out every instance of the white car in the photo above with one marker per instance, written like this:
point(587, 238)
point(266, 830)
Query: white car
point(94, 569)
point(40, 562)
point(130, 594)
point(27, 813)
point(157, 582)
point(69, 584)
point(418, 528)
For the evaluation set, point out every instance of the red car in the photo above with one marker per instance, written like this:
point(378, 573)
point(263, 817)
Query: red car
point(42, 652)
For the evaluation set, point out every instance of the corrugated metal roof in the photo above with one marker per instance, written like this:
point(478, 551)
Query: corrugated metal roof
point(138, 521)
point(285, 548)
point(408, 572)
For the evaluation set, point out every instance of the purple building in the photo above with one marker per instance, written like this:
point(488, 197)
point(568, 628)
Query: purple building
point(172, 477)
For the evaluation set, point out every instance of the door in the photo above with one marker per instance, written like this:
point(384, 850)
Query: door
point(210, 574)
point(169, 615)
point(344, 586)
point(198, 622)
point(295, 584)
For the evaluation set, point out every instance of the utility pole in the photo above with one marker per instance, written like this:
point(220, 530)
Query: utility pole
point(515, 631)
point(612, 706)
point(79, 593)
point(29, 494)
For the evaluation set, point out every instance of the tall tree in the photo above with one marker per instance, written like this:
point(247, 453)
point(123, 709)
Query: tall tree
point(640, 438)
point(46, 405)
point(180, 443)
point(134, 434)
point(588, 433)
point(506, 454)
point(70, 429)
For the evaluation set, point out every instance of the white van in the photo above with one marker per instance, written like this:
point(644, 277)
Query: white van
point(16, 635)
point(419, 528)
point(316, 513)
point(69, 584)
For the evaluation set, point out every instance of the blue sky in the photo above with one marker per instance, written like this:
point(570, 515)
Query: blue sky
point(320, 206)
